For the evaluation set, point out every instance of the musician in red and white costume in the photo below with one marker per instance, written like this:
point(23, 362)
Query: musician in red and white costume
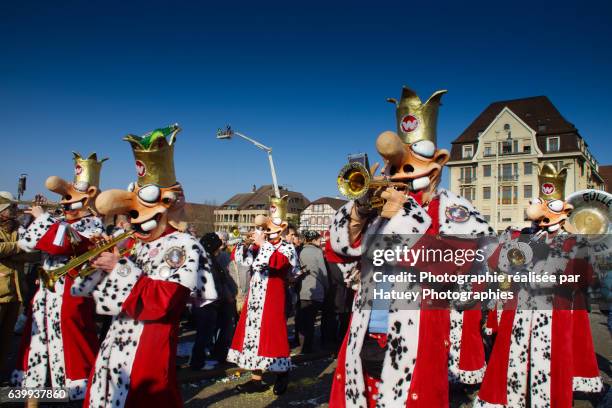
point(543, 350)
point(260, 342)
point(393, 356)
point(59, 343)
point(146, 291)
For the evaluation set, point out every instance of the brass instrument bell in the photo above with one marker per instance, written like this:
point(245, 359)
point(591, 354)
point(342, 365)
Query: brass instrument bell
point(354, 181)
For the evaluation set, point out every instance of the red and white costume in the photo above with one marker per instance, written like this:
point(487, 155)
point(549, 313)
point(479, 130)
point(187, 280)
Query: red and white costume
point(260, 341)
point(60, 335)
point(146, 294)
point(543, 347)
point(425, 348)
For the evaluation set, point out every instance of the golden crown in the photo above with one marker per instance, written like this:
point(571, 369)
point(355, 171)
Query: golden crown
point(154, 156)
point(87, 170)
point(415, 120)
point(278, 209)
point(552, 182)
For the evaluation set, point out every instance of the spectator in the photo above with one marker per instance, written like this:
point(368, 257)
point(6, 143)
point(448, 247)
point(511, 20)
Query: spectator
point(314, 284)
point(227, 314)
point(12, 261)
point(339, 293)
point(292, 306)
point(206, 313)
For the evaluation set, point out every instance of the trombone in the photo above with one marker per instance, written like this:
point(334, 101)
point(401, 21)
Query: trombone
point(355, 181)
point(49, 278)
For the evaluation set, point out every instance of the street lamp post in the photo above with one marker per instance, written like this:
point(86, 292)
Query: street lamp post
point(228, 132)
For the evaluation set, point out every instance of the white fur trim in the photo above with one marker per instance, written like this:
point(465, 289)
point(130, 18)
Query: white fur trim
point(587, 384)
point(474, 225)
point(339, 232)
point(115, 289)
point(478, 403)
point(30, 236)
point(76, 389)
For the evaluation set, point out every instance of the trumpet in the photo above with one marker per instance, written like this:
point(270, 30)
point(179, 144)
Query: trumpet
point(48, 204)
point(355, 181)
point(49, 278)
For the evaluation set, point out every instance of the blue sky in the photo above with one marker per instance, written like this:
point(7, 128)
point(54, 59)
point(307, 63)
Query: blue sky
point(309, 79)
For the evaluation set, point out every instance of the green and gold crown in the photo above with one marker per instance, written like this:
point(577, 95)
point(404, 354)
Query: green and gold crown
point(154, 156)
point(87, 170)
point(552, 182)
point(415, 120)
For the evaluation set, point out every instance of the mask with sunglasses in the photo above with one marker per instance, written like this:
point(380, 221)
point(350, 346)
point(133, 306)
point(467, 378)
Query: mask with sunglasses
point(155, 202)
point(78, 196)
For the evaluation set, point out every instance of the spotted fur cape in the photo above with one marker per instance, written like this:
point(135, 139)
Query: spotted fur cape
point(425, 348)
point(543, 349)
point(60, 334)
point(145, 293)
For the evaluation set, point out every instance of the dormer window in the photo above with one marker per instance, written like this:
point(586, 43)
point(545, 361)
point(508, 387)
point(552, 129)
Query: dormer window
point(552, 144)
point(468, 151)
point(541, 128)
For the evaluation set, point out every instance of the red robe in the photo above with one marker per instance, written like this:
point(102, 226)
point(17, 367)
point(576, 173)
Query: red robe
point(260, 340)
point(543, 346)
point(60, 335)
point(145, 293)
point(425, 347)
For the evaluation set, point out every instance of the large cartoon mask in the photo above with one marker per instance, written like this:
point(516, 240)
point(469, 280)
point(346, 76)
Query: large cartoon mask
point(156, 201)
point(79, 196)
point(411, 155)
point(550, 210)
point(275, 223)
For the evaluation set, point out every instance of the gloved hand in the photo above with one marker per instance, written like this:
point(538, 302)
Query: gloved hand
point(394, 202)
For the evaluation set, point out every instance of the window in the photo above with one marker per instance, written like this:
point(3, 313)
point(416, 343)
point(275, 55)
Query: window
point(487, 150)
point(527, 191)
point(528, 168)
point(507, 219)
point(486, 170)
point(467, 174)
point(313, 220)
point(527, 148)
point(487, 217)
point(505, 171)
point(506, 147)
point(552, 144)
point(541, 128)
point(486, 193)
point(506, 195)
point(469, 193)
point(468, 151)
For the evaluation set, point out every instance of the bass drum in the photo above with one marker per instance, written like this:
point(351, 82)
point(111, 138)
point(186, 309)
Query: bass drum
point(591, 217)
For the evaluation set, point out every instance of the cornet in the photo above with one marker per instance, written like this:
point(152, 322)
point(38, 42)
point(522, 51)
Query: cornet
point(355, 181)
point(50, 277)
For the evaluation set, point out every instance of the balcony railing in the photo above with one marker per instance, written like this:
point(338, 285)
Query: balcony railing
point(508, 177)
point(467, 180)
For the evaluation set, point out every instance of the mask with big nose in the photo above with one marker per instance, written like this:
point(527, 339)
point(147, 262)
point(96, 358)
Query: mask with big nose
point(550, 210)
point(151, 209)
point(418, 165)
point(78, 197)
point(410, 154)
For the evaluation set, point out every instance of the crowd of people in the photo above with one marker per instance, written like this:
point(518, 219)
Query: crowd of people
point(104, 308)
